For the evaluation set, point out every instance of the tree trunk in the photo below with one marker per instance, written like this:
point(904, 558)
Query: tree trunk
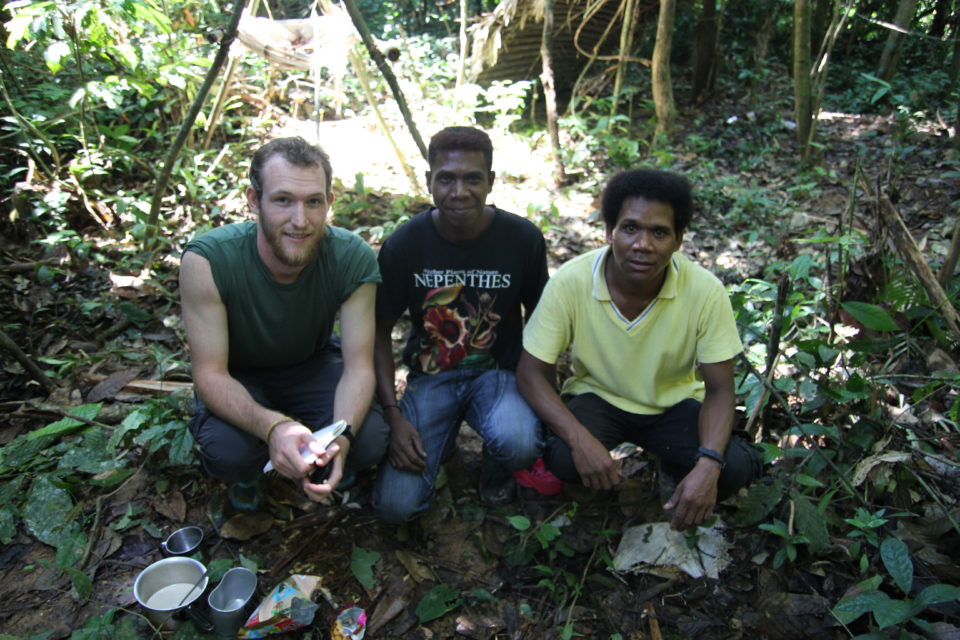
point(761, 46)
point(626, 44)
point(705, 52)
point(818, 72)
point(802, 92)
point(820, 18)
point(462, 62)
point(891, 50)
point(550, 93)
point(955, 60)
point(941, 18)
point(662, 86)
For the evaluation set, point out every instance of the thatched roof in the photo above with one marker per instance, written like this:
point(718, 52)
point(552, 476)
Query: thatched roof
point(506, 42)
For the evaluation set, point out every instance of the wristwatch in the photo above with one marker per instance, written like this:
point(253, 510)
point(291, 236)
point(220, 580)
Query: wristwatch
point(713, 455)
point(348, 434)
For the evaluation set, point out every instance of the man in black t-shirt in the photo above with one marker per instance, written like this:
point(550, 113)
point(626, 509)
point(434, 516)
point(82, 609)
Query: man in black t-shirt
point(467, 274)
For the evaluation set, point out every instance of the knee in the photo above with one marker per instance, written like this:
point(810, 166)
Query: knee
point(744, 465)
point(394, 509)
point(520, 449)
point(559, 462)
point(371, 444)
point(399, 496)
point(227, 454)
point(232, 470)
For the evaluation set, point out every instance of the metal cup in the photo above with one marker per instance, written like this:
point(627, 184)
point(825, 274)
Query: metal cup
point(168, 587)
point(228, 602)
point(183, 542)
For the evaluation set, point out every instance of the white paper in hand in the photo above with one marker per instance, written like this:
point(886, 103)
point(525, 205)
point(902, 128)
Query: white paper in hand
point(324, 437)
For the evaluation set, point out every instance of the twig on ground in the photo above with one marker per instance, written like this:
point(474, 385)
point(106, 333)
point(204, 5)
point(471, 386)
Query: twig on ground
point(95, 529)
point(654, 622)
point(17, 267)
point(34, 371)
point(910, 253)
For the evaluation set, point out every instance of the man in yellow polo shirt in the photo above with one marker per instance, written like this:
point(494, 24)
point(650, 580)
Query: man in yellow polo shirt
point(641, 320)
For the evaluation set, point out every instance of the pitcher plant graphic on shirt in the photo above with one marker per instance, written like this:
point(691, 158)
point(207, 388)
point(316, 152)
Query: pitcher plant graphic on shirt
point(459, 334)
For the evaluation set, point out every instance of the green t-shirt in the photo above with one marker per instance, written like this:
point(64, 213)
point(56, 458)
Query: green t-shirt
point(645, 365)
point(273, 324)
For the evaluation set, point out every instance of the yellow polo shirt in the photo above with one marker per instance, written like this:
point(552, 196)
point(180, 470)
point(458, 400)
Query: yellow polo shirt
point(645, 365)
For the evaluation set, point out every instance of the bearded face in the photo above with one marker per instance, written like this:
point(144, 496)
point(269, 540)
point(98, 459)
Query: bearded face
point(292, 214)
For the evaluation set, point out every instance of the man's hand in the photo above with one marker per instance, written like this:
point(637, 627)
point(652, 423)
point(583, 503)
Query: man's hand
point(596, 466)
point(696, 496)
point(334, 457)
point(406, 449)
point(286, 441)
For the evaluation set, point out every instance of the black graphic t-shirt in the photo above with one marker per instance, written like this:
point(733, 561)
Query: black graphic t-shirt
point(466, 301)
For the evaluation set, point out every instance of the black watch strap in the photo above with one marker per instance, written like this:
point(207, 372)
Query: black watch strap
point(348, 434)
point(713, 455)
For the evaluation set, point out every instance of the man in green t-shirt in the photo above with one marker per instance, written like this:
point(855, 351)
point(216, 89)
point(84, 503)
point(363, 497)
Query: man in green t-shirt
point(640, 320)
point(260, 300)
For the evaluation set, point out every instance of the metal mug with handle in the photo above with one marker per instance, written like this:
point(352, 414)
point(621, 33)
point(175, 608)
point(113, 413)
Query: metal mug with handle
point(183, 542)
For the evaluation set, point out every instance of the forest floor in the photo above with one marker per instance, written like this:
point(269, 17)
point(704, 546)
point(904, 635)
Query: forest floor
point(505, 581)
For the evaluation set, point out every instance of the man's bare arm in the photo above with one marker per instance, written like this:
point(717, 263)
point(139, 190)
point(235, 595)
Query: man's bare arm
point(696, 495)
point(205, 318)
point(406, 449)
point(355, 388)
point(536, 381)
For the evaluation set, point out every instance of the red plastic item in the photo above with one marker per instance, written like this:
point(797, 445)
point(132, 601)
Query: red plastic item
point(539, 479)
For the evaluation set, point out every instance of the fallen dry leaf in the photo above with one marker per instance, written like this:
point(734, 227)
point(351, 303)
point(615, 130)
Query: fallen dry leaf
point(107, 388)
point(390, 606)
point(417, 569)
point(172, 506)
point(478, 627)
point(244, 526)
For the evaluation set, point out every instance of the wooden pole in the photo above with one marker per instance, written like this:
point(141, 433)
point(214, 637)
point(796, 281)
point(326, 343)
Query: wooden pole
point(185, 128)
point(384, 68)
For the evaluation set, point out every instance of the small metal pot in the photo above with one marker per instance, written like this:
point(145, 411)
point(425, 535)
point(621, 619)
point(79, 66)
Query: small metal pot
point(168, 588)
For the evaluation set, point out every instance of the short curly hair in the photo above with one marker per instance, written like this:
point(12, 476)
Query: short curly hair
point(297, 152)
point(651, 184)
point(460, 139)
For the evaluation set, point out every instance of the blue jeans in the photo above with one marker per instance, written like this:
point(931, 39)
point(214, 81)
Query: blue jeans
point(435, 405)
point(304, 391)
